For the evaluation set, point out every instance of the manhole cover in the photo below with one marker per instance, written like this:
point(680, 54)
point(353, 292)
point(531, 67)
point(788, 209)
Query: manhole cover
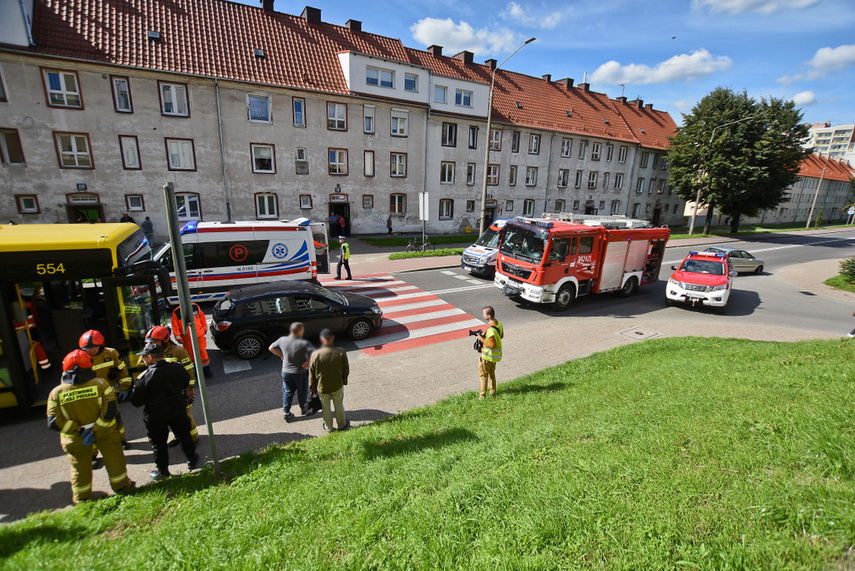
point(639, 333)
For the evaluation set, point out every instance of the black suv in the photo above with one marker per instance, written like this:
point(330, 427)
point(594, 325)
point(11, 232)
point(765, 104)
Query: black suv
point(248, 319)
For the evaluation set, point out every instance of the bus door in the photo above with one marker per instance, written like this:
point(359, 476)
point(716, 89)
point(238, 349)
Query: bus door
point(133, 307)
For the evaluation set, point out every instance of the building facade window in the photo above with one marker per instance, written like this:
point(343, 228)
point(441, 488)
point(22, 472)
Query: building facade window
point(299, 106)
point(595, 151)
point(610, 151)
point(655, 161)
point(368, 119)
point(173, 99)
point(135, 202)
point(446, 209)
point(470, 206)
point(74, 151)
point(368, 163)
point(129, 145)
point(566, 147)
point(583, 146)
point(263, 158)
point(4, 97)
point(380, 77)
point(615, 207)
point(559, 205)
point(473, 137)
point(305, 201)
point(398, 203)
point(180, 154)
point(470, 174)
point(367, 201)
point(446, 172)
point(398, 165)
point(618, 181)
point(528, 207)
point(449, 134)
point(258, 108)
point(493, 175)
point(512, 175)
point(337, 116)
point(301, 161)
point(621, 155)
point(602, 205)
point(645, 157)
point(639, 187)
point(592, 179)
point(578, 183)
point(563, 177)
point(11, 151)
point(411, 82)
point(188, 206)
point(266, 206)
point(63, 89)
point(337, 162)
point(605, 181)
point(531, 176)
point(636, 210)
point(440, 94)
point(495, 139)
point(534, 144)
point(575, 205)
point(463, 98)
point(515, 142)
point(122, 102)
point(27, 204)
point(509, 205)
point(399, 122)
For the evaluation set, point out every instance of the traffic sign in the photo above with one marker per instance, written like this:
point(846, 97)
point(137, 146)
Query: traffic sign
point(851, 210)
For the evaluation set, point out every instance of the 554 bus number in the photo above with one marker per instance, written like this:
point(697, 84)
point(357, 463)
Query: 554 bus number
point(49, 269)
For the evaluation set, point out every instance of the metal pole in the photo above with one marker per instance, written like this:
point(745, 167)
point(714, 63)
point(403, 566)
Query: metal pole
point(187, 309)
point(223, 154)
point(816, 194)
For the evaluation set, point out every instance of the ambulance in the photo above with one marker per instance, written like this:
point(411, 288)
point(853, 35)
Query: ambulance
point(224, 255)
point(480, 257)
point(558, 258)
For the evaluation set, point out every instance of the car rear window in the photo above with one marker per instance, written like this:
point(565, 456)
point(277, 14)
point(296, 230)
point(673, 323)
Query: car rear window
point(703, 267)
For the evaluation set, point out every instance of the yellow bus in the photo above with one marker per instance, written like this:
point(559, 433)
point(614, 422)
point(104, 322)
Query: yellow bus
point(59, 280)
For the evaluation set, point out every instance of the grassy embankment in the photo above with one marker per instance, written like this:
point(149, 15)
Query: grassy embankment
point(427, 253)
point(668, 454)
point(724, 231)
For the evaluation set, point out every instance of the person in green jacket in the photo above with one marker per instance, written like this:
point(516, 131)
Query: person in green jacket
point(328, 372)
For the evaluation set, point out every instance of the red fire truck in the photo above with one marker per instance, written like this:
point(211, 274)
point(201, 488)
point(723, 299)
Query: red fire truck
point(557, 258)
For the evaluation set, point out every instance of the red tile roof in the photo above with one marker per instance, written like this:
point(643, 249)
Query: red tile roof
point(216, 38)
point(834, 170)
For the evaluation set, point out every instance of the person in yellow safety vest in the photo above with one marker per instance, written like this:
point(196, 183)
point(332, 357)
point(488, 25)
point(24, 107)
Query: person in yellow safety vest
point(32, 324)
point(491, 351)
point(201, 331)
point(83, 409)
point(173, 353)
point(108, 366)
point(343, 258)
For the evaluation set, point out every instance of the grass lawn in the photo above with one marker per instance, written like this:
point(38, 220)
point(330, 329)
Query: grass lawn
point(427, 254)
point(668, 454)
point(724, 232)
point(841, 282)
point(403, 241)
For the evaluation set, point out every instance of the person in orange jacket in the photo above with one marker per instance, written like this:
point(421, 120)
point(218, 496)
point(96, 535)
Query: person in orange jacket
point(201, 326)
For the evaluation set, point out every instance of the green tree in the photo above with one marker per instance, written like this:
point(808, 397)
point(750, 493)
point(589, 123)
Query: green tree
point(741, 166)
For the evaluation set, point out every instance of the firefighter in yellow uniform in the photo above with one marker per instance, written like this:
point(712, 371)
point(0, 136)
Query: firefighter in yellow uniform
point(83, 409)
point(108, 366)
point(176, 354)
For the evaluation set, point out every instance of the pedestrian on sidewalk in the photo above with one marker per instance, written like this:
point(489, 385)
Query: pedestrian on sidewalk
point(491, 351)
point(148, 230)
point(295, 353)
point(328, 372)
point(163, 390)
point(389, 224)
point(343, 223)
point(343, 258)
point(852, 333)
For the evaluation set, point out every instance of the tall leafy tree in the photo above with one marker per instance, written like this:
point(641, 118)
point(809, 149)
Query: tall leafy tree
point(741, 153)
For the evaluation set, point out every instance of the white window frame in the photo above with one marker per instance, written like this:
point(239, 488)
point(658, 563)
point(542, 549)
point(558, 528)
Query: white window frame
point(24, 209)
point(473, 137)
point(130, 148)
point(446, 208)
point(615, 208)
point(578, 181)
point(299, 117)
point(187, 198)
point(449, 135)
point(440, 89)
point(135, 202)
point(636, 210)
point(655, 160)
point(400, 122)
point(471, 169)
point(446, 172)
point(261, 147)
point(184, 150)
point(495, 139)
point(566, 147)
point(4, 93)
point(493, 172)
point(592, 179)
point(512, 175)
point(75, 153)
point(380, 73)
point(398, 165)
point(560, 204)
point(618, 181)
point(621, 155)
point(583, 148)
point(610, 151)
point(534, 144)
point(639, 186)
point(179, 97)
point(249, 98)
point(263, 202)
point(605, 181)
point(563, 177)
point(531, 176)
point(397, 203)
point(415, 81)
point(337, 163)
point(515, 141)
point(462, 98)
point(596, 149)
point(115, 80)
point(58, 97)
point(336, 116)
point(645, 159)
point(368, 120)
point(368, 163)
point(528, 207)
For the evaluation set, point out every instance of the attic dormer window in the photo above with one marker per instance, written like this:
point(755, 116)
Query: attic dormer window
point(153, 36)
point(259, 53)
point(519, 105)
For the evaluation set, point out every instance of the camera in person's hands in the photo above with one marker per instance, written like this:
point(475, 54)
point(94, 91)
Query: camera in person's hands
point(476, 333)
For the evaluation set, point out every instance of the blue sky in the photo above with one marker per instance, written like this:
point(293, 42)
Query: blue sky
point(669, 52)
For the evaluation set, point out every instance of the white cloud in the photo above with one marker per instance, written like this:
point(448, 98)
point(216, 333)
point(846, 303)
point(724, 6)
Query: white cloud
point(458, 37)
point(682, 106)
point(516, 13)
point(763, 6)
point(804, 98)
point(790, 79)
point(683, 67)
point(829, 59)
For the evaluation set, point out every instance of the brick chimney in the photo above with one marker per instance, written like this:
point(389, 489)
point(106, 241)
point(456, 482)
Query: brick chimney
point(547, 77)
point(649, 106)
point(435, 50)
point(566, 82)
point(639, 103)
point(465, 57)
point(311, 15)
point(585, 86)
point(491, 63)
point(354, 25)
point(267, 5)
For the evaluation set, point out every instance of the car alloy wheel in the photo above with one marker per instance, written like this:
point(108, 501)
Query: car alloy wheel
point(248, 347)
point(359, 329)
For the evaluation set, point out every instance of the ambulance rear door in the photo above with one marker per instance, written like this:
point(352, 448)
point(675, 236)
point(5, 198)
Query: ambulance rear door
point(322, 248)
point(289, 254)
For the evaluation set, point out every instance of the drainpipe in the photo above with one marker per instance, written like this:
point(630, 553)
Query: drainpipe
point(28, 24)
point(548, 174)
point(636, 157)
point(223, 153)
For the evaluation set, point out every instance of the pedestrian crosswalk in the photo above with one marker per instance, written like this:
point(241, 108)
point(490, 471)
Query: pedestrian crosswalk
point(412, 317)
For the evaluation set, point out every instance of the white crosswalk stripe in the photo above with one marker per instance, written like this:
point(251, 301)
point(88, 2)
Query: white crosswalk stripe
point(418, 333)
point(426, 316)
point(410, 306)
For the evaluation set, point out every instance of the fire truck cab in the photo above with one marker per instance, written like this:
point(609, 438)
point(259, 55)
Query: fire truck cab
point(558, 258)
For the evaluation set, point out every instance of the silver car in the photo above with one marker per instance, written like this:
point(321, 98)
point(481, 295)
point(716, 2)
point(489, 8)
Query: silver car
point(740, 260)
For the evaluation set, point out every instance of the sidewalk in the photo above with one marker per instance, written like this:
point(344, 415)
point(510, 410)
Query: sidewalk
point(811, 276)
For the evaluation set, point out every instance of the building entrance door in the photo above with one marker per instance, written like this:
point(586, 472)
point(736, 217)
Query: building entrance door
point(85, 213)
point(342, 210)
point(657, 215)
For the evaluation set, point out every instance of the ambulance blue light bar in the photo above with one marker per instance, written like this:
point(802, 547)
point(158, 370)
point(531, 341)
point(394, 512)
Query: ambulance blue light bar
point(189, 228)
point(710, 254)
point(534, 221)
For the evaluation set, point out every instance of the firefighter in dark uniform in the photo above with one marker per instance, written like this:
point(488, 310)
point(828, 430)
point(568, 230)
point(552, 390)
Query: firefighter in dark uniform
point(108, 366)
point(162, 390)
point(173, 353)
point(84, 411)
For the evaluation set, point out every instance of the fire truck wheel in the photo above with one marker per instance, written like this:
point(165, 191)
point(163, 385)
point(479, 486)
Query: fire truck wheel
point(564, 297)
point(629, 288)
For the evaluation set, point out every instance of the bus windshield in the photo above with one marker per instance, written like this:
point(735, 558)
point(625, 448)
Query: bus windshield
point(523, 243)
point(489, 239)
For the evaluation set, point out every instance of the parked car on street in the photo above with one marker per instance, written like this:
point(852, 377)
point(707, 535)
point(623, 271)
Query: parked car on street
point(740, 260)
point(703, 278)
point(248, 319)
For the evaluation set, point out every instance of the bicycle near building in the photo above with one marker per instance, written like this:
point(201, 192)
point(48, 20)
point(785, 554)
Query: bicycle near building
point(417, 245)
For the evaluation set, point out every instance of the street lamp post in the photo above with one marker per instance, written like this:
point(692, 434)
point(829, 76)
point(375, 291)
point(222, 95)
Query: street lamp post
point(698, 197)
point(487, 145)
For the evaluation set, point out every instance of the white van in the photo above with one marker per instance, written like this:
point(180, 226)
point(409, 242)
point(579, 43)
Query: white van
point(480, 257)
point(223, 255)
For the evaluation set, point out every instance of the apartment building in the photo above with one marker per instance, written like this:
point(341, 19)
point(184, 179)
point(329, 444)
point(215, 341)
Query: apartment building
point(837, 142)
point(257, 114)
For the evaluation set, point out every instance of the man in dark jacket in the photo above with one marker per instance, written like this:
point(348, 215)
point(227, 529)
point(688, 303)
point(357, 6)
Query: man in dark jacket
point(162, 390)
point(328, 372)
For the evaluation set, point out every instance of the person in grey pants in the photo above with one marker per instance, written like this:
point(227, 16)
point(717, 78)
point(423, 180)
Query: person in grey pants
point(148, 229)
point(295, 353)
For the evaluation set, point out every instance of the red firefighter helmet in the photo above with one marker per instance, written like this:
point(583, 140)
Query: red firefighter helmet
point(157, 333)
point(77, 358)
point(90, 339)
